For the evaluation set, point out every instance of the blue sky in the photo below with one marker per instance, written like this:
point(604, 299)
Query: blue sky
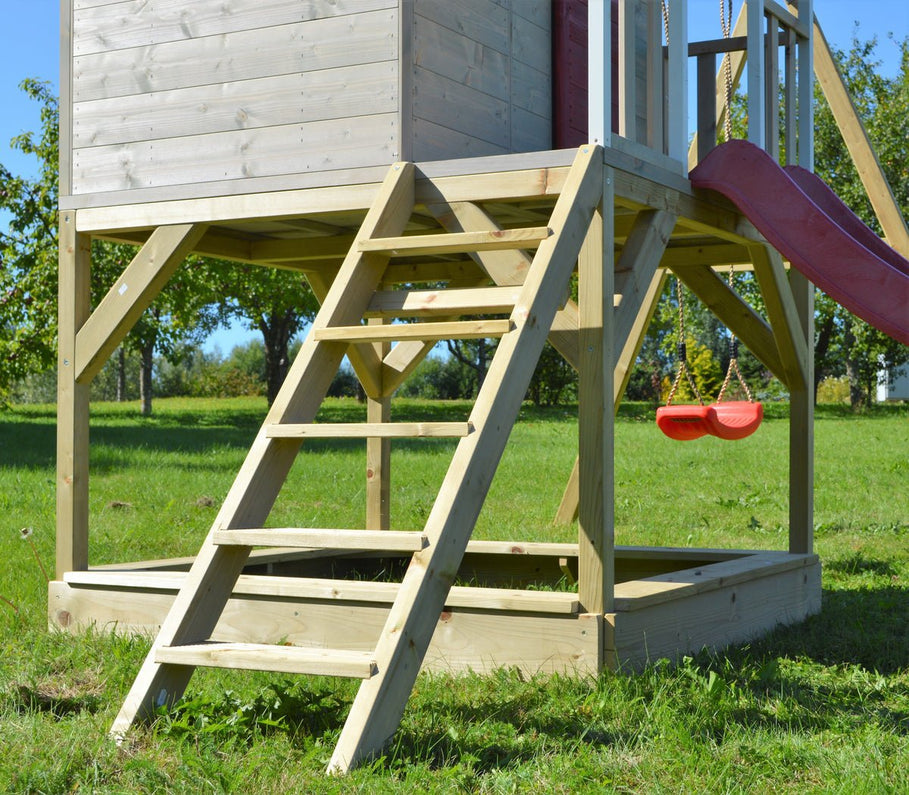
point(29, 47)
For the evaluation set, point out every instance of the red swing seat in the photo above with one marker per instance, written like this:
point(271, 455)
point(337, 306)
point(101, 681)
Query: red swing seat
point(734, 419)
point(684, 422)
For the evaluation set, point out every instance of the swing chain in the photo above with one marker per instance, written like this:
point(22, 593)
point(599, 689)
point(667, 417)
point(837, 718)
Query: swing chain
point(682, 351)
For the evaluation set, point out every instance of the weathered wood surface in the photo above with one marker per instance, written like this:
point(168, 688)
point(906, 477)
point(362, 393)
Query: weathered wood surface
point(166, 95)
point(268, 657)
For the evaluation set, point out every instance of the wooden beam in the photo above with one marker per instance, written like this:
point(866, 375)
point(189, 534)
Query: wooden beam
point(368, 430)
point(446, 301)
point(459, 242)
point(378, 448)
point(859, 145)
point(781, 312)
point(801, 427)
point(74, 307)
point(324, 538)
point(458, 329)
point(266, 657)
point(131, 294)
point(641, 285)
point(401, 361)
point(596, 554)
point(738, 317)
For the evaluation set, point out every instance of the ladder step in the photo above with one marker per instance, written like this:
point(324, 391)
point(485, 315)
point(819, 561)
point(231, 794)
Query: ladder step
point(459, 329)
point(457, 242)
point(452, 301)
point(267, 657)
point(319, 538)
point(368, 430)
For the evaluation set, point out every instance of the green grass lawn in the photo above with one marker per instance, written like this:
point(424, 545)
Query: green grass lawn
point(819, 707)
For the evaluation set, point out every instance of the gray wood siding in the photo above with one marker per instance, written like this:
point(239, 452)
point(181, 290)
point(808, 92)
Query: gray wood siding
point(480, 69)
point(266, 151)
point(369, 37)
point(166, 94)
point(107, 26)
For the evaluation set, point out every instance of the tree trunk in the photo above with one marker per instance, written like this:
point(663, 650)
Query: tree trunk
point(145, 378)
point(121, 374)
point(276, 334)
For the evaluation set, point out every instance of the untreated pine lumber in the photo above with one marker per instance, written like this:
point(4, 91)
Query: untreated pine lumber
point(267, 657)
point(315, 537)
point(458, 242)
point(462, 329)
point(428, 303)
point(368, 430)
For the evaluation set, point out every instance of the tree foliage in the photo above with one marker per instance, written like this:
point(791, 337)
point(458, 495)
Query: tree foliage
point(184, 311)
point(846, 345)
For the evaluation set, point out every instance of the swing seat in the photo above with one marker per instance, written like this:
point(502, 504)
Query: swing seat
point(735, 419)
point(684, 422)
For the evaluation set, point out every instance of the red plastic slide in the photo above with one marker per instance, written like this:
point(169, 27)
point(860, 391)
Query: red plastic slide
point(806, 222)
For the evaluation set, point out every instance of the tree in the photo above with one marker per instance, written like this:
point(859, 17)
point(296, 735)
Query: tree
point(277, 303)
point(846, 345)
point(28, 271)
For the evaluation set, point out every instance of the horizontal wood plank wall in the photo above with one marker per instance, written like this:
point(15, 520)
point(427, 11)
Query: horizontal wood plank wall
point(531, 76)
point(480, 78)
point(169, 93)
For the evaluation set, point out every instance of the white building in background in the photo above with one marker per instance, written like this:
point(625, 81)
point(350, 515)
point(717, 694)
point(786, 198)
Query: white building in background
point(895, 389)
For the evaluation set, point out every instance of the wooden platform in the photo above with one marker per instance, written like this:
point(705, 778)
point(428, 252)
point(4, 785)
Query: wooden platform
point(668, 602)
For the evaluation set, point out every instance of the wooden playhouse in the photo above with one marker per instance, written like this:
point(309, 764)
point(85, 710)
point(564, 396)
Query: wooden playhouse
point(408, 157)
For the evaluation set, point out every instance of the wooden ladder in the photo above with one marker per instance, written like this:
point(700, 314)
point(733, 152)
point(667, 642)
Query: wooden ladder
point(389, 671)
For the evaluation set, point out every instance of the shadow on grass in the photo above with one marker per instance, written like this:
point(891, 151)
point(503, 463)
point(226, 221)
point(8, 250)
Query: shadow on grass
point(867, 627)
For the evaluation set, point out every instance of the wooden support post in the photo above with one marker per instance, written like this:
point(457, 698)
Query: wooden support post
point(596, 556)
point(72, 400)
point(801, 427)
point(755, 69)
point(640, 284)
point(378, 455)
point(706, 77)
point(627, 64)
point(771, 87)
point(806, 74)
point(677, 83)
point(599, 72)
point(790, 112)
